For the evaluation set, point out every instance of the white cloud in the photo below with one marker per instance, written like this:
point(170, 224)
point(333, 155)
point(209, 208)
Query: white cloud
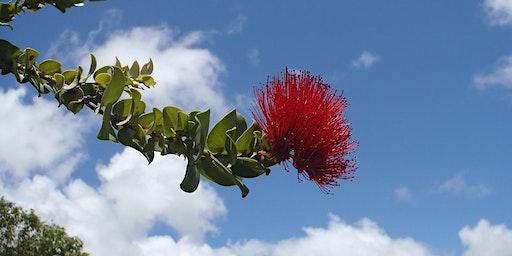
point(254, 56)
point(402, 194)
point(500, 76)
point(364, 238)
point(38, 136)
point(237, 25)
point(133, 196)
point(486, 240)
point(187, 76)
point(365, 60)
point(457, 185)
point(499, 11)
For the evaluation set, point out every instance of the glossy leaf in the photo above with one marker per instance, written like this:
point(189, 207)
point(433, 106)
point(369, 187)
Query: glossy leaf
point(107, 132)
point(103, 79)
point(230, 146)
point(135, 70)
point(244, 142)
point(59, 80)
point(69, 76)
point(241, 126)
point(114, 88)
point(170, 115)
point(191, 180)
point(50, 67)
point(147, 68)
point(203, 118)
point(217, 137)
point(122, 111)
point(248, 168)
point(30, 57)
point(215, 171)
point(92, 67)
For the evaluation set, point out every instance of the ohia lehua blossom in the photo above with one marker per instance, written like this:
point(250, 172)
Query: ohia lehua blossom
point(304, 120)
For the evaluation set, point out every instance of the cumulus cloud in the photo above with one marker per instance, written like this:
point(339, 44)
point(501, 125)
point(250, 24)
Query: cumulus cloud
point(187, 76)
point(115, 217)
point(37, 136)
point(500, 76)
point(486, 240)
point(457, 185)
point(365, 238)
point(499, 11)
point(365, 60)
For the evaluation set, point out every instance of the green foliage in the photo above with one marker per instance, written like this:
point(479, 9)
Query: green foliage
point(23, 234)
point(8, 11)
point(225, 155)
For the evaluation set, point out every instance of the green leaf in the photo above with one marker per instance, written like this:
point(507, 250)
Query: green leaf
point(89, 89)
point(147, 80)
point(191, 180)
point(158, 124)
point(92, 68)
point(73, 99)
point(7, 12)
point(217, 137)
point(265, 143)
point(245, 141)
point(147, 68)
point(126, 110)
point(147, 120)
point(62, 5)
point(118, 63)
point(203, 118)
point(135, 94)
point(248, 168)
point(28, 59)
point(115, 87)
point(103, 79)
point(102, 70)
point(41, 87)
point(170, 115)
point(174, 119)
point(107, 132)
point(149, 150)
point(59, 80)
point(122, 111)
point(241, 126)
point(230, 146)
point(8, 56)
point(215, 171)
point(129, 136)
point(50, 67)
point(70, 76)
point(134, 70)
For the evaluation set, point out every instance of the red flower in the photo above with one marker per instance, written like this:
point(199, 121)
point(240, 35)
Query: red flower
point(304, 121)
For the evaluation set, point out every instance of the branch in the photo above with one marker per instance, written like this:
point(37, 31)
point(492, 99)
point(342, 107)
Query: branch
point(231, 151)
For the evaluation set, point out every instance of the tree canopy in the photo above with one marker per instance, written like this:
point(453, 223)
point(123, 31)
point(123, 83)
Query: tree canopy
point(22, 233)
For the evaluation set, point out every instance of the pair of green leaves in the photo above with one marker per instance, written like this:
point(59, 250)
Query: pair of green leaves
point(229, 156)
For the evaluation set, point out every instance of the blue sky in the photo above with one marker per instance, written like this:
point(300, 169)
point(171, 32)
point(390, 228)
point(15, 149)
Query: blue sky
point(429, 85)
